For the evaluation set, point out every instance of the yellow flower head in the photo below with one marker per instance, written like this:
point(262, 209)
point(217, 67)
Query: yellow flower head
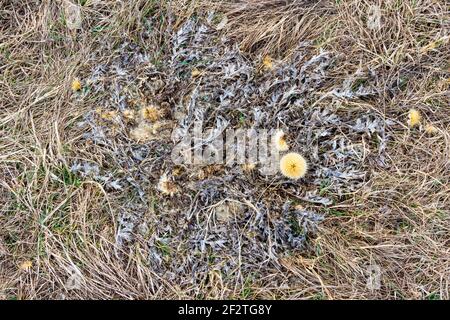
point(76, 85)
point(166, 186)
point(430, 129)
point(151, 113)
point(128, 114)
point(26, 265)
point(108, 115)
point(280, 141)
point(143, 132)
point(293, 165)
point(177, 171)
point(248, 167)
point(414, 117)
point(267, 62)
point(195, 72)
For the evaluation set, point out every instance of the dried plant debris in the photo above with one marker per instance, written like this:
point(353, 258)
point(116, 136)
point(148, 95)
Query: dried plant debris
point(216, 217)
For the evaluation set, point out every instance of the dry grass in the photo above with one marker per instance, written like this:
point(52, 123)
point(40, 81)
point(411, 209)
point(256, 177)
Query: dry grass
point(66, 225)
point(275, 27)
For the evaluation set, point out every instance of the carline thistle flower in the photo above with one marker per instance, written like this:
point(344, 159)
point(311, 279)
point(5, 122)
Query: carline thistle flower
point(293, 165)
point(280, 141)
point(414, 118)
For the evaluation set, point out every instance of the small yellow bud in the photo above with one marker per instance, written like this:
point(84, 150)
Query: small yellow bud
point(280, 141)
point(267, 62)
point(430, 129)
point(76, 85)
point(414, 117)
point(151, 113)
point(195, 72)
point(128, 114)
point(26, 265)
point(248, 167)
